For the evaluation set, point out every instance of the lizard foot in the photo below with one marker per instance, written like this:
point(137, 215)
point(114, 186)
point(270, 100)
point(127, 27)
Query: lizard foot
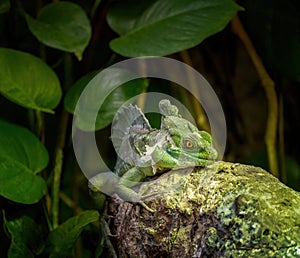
point(146, 207)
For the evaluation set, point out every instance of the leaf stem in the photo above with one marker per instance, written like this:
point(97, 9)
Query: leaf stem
point(269, 87)
point(58, 169)
point(45, 210)
point(70, 203)
point(60, 145)
point(40, 125)
point(56, 186)
point(94, 7)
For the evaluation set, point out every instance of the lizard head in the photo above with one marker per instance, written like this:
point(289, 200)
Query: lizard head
point(186, 143)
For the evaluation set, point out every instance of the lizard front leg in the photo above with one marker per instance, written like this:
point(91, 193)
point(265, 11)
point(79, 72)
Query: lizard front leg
point(130, 179)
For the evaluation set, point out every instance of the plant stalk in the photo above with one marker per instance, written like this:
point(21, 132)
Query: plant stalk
point(201, 117)
point(269, 87)
point(60, 146)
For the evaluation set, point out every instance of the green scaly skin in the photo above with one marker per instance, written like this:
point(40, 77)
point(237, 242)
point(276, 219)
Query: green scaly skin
point(177, 144)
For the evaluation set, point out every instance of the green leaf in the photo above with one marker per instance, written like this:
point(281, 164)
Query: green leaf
point(28, 81)
point(123, 14)
point(18, 183)
point(25, 237)
point(111, 104)
point(63, 26)
point(72, 96)
point(20, 144)
point(63, 238)
point(4, 6)
point(22, 156)
point(167, 27)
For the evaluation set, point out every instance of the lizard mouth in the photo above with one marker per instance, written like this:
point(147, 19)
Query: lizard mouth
point(192, 158)
point(210, 154)
point(196, 160)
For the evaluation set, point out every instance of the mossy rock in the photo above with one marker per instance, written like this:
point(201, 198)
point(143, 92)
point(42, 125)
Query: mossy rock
point(222, 210)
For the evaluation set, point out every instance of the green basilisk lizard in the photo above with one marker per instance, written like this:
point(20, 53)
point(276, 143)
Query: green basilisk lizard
point(145, 151)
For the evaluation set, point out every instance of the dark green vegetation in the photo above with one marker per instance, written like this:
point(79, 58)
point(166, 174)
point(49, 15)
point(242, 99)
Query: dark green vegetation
point(49, 51)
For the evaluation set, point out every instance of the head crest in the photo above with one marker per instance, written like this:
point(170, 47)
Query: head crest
point(167, 109)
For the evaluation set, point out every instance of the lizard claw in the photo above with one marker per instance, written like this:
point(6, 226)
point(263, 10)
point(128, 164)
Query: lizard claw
point(146, 207)
point(148, 197)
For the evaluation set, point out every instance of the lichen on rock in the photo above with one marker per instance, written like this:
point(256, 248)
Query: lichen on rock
point(222, 210)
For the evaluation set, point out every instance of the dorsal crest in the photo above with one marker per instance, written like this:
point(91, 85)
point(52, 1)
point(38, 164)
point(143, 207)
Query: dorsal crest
point(128, 118)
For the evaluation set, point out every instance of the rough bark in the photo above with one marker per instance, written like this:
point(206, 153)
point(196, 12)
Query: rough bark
point(223, 210)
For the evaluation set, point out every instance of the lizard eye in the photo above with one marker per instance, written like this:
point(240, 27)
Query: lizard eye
point(188, 144)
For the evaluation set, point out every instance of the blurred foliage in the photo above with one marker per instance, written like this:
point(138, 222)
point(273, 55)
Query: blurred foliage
point(275, 27)
point(49, 52)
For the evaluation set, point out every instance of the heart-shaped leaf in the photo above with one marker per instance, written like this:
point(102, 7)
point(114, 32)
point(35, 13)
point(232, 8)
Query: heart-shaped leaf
point(167, 27)
point(25, 235)
point(28, 81)
point(18, 183)
point(63, 238)
point(22, 156)
point(62, 25)
point(20, 144)
point(111, 104)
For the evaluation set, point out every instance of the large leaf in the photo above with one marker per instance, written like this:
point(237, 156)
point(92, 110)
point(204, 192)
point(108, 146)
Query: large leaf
point(111, 104)
point(28, 81)
point(62, 25)
point(63, 238)
point(25, 237)
point(122, 15)
point(4, 6)
point(21, 145)
point(22, 156)
point(167, 27)
point(274, 29)
point(18, 183)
